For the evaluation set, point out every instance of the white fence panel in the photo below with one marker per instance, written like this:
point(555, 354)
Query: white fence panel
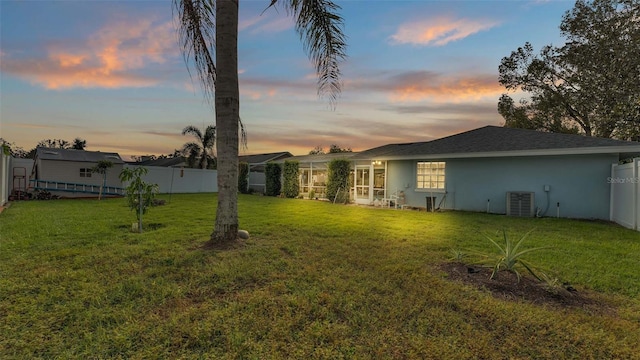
point(176, 180)
point(4, 177)
point(623, 194)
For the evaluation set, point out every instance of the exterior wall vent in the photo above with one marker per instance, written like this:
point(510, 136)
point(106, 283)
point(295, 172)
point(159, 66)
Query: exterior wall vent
point(520, 203)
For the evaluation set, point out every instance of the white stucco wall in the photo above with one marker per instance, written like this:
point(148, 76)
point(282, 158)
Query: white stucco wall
point(69, 171)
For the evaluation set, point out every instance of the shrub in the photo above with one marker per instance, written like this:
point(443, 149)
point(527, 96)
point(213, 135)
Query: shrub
point(338, 180)
point(139, 194)
point(290, 186)
point(510, 255)
point(272, 179)
point(243, 177)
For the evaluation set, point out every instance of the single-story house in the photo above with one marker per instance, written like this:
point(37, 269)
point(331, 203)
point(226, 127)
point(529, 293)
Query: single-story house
point(174, 162)
point(257, 163)
point(68, 172)
point(313, 171)
point(493, 169)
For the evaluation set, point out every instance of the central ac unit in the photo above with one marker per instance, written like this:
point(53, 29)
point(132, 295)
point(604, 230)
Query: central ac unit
point(520, 203)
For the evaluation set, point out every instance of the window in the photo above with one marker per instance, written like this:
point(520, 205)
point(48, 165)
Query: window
point(85, 172)
point(430, 175)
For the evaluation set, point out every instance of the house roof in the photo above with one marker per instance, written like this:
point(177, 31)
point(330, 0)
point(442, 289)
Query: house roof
point(164, 162)
point(264, 158)
point(43, 153)
point(320, 157)
point(492, 141)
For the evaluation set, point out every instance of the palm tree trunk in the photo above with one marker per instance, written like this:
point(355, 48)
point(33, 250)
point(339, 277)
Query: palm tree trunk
point(227, 103)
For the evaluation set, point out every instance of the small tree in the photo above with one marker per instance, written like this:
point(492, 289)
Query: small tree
point(290, 186)
point(272, 174)
point(243, 177)
point(79, 144)
point(139, 193)
point(101, 168)
point(334, 149)
point(338, 180)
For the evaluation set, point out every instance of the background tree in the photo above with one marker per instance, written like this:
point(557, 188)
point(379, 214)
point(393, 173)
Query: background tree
point(79, 144)
point(589, 85)
point(334, 149)
point(208, 26)
point(102, 167)
point(272, 175)
point(12, 149)
point(198, 152)
point(318, 150)
point(54, 143)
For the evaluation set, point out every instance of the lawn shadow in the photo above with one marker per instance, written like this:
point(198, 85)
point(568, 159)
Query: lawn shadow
point(145, 227)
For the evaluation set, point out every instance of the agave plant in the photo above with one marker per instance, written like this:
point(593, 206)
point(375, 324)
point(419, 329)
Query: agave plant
point(511, 257)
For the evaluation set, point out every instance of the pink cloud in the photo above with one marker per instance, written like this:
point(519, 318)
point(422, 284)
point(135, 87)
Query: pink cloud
point(415, 86)
point(109, 58)
point(439, 31)
point(449, 89)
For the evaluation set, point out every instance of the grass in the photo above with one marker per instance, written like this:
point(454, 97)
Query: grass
point(315, 281)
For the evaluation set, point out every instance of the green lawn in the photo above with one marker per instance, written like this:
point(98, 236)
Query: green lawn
point(315, 281)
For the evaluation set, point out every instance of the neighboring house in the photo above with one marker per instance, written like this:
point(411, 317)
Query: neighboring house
point(68, 172)
point(175, 162)
point(257, 164)
point(494, 169)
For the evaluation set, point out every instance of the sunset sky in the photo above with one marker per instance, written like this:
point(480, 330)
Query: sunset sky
point(111, 72)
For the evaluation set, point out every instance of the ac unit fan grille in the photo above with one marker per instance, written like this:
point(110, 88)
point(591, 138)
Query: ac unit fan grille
point(520, 204)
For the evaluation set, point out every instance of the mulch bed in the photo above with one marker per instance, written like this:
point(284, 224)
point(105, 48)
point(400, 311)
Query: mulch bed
point(505, 286)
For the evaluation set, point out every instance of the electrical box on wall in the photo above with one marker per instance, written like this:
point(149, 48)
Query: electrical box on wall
point(547, 188)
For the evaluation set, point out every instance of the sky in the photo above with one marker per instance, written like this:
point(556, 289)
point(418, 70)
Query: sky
point(112, 73)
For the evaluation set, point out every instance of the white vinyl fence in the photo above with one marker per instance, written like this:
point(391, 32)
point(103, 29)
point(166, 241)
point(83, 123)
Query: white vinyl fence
point(4, 177)
point(176, 180)
point(625, 194)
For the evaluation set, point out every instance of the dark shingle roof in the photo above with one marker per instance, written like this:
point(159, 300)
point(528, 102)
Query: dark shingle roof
point(264, 158)
point(76, 155)
point(495, 139)
point(164, 162)
point(320, 157)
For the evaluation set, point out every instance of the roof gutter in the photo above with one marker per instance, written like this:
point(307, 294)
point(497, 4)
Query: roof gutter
point(516, 153)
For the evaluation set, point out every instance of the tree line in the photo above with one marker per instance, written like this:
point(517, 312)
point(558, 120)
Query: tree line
point(590, 85)
point(19, 152)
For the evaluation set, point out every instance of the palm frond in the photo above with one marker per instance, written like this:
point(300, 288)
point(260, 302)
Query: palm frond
point(243, 135)
point(321, 30)
point(209, 137)
point(192, 130)
point(196, 34)
point(191, 147)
